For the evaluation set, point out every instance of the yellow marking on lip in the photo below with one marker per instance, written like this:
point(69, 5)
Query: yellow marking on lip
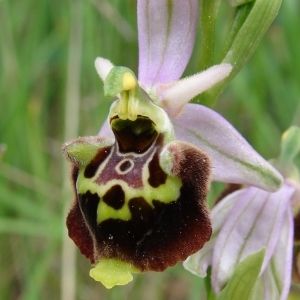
point(105, 212)
point(166, 193)
point(111, 272)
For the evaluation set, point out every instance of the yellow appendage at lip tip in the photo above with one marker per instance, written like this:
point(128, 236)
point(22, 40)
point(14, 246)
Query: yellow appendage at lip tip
point(129, 81)
point(112, 272)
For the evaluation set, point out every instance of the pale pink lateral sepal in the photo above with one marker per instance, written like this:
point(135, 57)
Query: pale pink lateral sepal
point(233, 159)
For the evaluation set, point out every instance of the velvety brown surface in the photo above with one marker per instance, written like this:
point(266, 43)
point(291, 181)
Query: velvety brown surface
point(154, 238)
point(79, 232)
point(157, 175)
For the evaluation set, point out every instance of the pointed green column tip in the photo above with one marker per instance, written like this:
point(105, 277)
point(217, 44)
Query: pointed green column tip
point(112, 272)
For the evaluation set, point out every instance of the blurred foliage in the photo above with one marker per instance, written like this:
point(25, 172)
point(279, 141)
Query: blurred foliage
point(44, 45)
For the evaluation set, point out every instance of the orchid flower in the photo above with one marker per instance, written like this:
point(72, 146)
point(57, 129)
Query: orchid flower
point(246, 221)
point(141, 185)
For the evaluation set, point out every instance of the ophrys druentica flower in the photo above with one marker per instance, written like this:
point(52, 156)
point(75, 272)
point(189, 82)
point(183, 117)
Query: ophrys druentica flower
point(140, 193)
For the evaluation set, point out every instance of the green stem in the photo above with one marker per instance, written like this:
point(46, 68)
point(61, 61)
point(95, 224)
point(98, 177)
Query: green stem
point(249, 24)
point(239, 16)
point(208, 13)
point(208, 287)
point(237, 20)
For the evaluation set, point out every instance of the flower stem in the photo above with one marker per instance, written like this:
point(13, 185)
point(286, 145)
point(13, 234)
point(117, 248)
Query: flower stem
point(249, 24)
point(208, 17)
point(208, 11)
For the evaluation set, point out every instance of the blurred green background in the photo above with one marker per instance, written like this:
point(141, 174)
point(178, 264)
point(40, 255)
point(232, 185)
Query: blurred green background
point(50, 93)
